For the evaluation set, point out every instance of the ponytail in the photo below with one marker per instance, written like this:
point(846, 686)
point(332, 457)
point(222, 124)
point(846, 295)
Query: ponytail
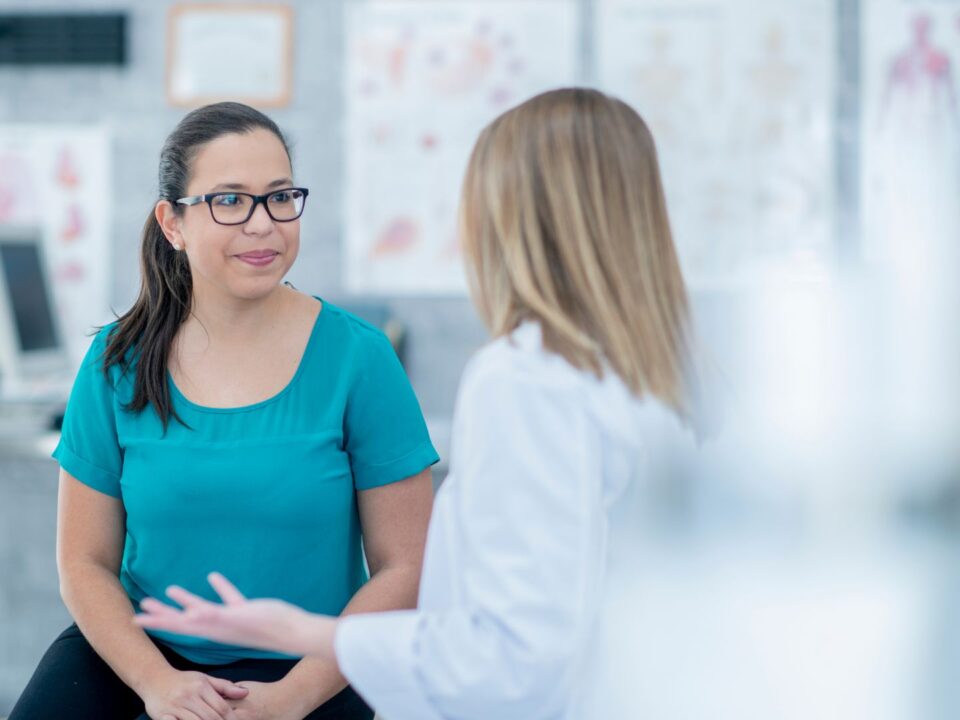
point(144, 334)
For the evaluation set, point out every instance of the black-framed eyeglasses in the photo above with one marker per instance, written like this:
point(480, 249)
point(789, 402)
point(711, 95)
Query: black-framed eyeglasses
point(235, 208)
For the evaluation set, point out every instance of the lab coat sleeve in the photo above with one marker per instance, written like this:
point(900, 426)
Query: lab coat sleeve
point(529, 508)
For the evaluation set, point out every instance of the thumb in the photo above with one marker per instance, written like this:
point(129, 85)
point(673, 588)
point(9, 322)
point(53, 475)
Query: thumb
point(228, 689)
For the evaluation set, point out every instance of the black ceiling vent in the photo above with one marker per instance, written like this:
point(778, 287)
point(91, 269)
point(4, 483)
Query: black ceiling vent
point(62, 39)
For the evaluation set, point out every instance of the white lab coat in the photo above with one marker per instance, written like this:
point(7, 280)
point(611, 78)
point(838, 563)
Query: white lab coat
point(515, 563)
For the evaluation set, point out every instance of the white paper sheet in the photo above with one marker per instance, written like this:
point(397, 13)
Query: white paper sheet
point(740, 98)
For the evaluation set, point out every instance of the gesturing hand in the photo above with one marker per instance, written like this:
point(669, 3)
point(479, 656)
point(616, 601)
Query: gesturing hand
point(266, 624)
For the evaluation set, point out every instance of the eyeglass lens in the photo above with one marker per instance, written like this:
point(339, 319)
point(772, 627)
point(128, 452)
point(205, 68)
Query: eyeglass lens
point(236, 208)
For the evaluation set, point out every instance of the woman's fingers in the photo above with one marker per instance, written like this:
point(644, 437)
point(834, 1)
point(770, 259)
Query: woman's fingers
point(217, 703)
point(203, 710)
point(197, 616)
point(156, 615)
point(185, 598)
point(168, 624)
point(229, 689)
point(155, 607)
point(225, 589)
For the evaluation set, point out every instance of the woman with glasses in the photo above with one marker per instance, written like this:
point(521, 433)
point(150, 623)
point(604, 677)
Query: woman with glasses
point(227, 420)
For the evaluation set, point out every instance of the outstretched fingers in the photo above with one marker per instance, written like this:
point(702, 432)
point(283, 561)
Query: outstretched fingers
point(160, 616)
point(155, 607)
point(186, 598)
point(197, 616)
point(225, 589)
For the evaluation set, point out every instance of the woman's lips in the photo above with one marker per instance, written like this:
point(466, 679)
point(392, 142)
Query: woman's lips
point(258, 258)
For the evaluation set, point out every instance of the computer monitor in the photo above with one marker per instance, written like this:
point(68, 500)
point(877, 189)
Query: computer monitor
point(33, 358)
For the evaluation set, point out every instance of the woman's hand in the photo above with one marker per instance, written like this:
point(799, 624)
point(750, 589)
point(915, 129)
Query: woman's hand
point(269, 701)
point(186, 695)
point(266, 624)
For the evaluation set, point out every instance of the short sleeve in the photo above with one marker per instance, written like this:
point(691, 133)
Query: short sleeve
point(88, 448)
point(385, 434)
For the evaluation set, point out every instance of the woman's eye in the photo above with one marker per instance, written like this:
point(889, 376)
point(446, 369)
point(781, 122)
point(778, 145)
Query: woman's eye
point(284, 196)
point(227, 200)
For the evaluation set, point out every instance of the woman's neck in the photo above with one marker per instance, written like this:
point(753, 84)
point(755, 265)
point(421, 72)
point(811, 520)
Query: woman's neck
point(229, 320)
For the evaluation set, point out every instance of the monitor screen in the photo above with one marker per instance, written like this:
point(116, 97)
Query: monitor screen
point(29, 298)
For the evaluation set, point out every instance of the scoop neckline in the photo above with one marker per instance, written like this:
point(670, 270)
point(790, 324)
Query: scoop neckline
point(178, 394)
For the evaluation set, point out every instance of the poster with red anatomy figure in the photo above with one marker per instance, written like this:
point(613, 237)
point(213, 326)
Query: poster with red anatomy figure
point(57, 178)
point(910, 163)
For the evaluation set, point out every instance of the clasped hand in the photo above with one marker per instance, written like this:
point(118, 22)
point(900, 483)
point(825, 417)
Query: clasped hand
point(187, 695)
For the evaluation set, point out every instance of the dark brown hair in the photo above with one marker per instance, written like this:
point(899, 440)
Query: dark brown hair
point(144, 334)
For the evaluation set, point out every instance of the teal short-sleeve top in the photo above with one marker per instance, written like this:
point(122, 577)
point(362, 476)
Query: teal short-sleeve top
point(266, 493)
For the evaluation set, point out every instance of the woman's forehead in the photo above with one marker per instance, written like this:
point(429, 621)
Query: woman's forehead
point(253, 159)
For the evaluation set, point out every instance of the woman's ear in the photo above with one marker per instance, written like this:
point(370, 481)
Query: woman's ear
point(169, 223)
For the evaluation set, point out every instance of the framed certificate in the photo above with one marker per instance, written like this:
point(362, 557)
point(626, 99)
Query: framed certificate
point(230, 51)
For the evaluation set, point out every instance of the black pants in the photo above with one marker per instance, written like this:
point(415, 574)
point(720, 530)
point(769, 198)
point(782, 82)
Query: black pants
point(72, 681)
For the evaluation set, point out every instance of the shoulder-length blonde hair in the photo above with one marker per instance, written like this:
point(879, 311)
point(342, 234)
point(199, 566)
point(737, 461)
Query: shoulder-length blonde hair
point(563, 221)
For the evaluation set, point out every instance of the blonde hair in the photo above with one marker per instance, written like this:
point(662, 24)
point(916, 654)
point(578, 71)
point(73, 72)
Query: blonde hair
point(563, 221)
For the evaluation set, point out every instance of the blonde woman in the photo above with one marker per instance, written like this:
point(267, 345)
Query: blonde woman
point(574, 272)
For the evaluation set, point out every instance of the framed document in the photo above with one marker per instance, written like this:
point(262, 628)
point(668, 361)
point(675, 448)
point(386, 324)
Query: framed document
point(231, 51)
